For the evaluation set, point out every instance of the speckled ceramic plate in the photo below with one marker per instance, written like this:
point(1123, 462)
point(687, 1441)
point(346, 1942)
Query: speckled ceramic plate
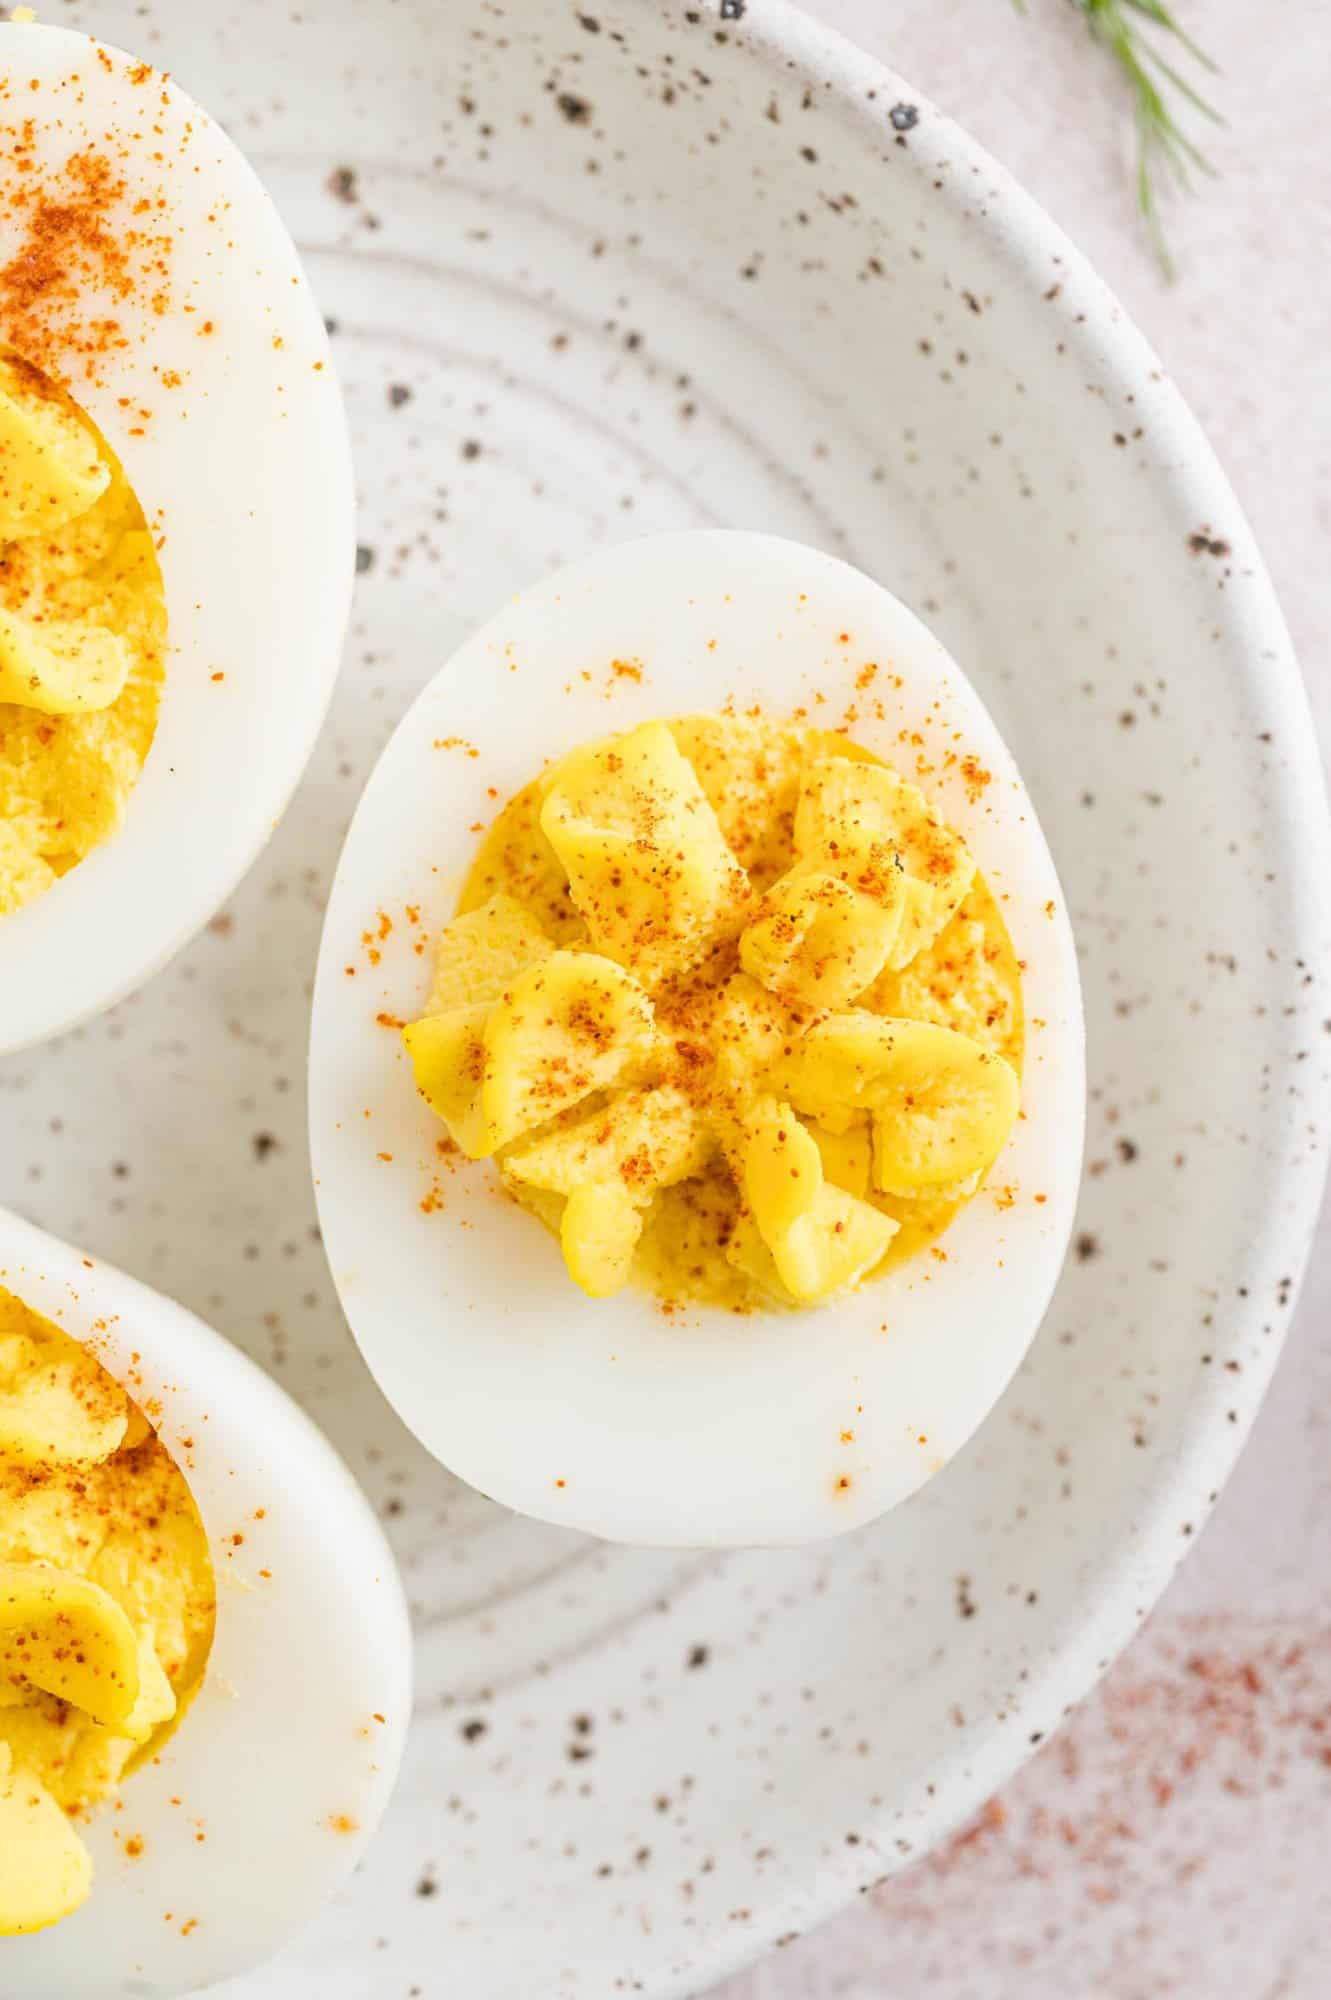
point(608, 267)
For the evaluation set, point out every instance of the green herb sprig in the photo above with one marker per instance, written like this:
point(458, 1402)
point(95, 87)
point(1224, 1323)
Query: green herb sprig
point(1133, 31)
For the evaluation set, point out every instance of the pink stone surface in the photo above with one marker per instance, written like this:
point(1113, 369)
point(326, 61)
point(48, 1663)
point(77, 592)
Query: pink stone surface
point(1173, 1839)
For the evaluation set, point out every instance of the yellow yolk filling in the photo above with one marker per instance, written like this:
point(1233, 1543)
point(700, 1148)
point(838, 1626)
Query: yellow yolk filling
point(82, 636)
point(106, 1606)
point(732, 1008)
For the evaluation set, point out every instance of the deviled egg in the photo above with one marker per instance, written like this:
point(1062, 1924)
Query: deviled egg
point(697, 910)
point(176, 522)
point(205, 1663)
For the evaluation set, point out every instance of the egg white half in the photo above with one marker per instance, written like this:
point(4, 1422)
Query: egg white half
point(697, 1428)
point(269, 1789)
point(216, 389)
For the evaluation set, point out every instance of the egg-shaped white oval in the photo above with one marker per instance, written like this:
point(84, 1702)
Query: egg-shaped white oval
point(188, 333)
point(696, 1428)
point(266, 1795)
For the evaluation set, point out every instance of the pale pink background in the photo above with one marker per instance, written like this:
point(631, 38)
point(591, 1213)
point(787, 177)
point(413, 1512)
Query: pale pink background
point(1175, 1839)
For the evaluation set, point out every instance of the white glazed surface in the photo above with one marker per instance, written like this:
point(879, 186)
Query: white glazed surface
point(244, 474)
point(266, 1795)
point(700, 1429)
point(831, 1688)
